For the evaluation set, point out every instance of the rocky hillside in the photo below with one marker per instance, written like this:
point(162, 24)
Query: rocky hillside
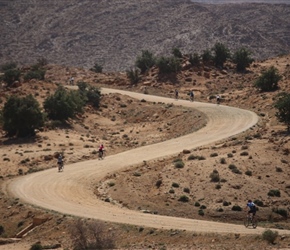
point(113, 33)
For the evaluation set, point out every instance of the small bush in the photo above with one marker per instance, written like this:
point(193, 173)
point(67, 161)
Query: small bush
point(213, 154)
point(225, 203)
point(36, 246)
point(186, 190)
point(201, 212)
point(259, 203)
point(202, 207)
point(197, 204)
point(270, 236)
point(1, 230)
point(248, 172)
point(158, 183)
point(174, 184)
point(281, 211)
point(218, 186)
point(244, 153)
point(236, 208)
point(192, 157)
point(183, 198)
point(171, 191)
point(278, 169)
point(230, 155)
point(232, 166)
point(201, 158)
point(179, 164)
point(214, 177)
point(274, 192)
point(223, 161)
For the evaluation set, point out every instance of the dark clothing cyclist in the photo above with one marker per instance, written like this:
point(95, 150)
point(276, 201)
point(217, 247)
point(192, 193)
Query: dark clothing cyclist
point(252, 207)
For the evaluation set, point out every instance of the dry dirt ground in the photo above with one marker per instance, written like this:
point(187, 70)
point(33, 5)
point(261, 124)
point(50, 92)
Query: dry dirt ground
point(261, 154)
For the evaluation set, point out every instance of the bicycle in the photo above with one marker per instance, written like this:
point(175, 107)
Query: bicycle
point(60, 166)
point(102, 155)
point(250, 221)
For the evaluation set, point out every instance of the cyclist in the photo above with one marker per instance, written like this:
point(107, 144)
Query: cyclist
point(218, 99)
point(176, 94)
point(60, 162)
point(101, 150)
point(191, 94)
point(251, 209)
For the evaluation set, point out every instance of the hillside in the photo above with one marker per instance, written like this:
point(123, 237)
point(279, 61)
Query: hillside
point(261, 154)
point(75, 33)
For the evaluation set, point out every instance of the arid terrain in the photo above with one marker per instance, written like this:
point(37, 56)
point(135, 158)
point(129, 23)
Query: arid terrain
point(261, 154)
point(112, 34)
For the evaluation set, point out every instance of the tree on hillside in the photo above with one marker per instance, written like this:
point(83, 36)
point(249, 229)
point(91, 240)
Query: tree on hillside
point(97, 68)
point(221, 54)
point(63, 104)
point(194, 59)
point(168, 64)
point(242, 59)
point(133, 75)
point(145, 61)
point(90, 94)
point(11, 73)
point(206, 56)
point(283, 106)
point(21, 116)
point(36, 72)
point(176, 52)
point(269, 79)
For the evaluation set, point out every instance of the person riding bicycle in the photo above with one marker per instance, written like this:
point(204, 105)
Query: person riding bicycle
point(218, 99)
point(60, 161)
point(251, 209)
point(191, 94)
point(101, 150)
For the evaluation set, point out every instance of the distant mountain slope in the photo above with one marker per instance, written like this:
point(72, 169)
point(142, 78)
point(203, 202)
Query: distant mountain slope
point(113, 32)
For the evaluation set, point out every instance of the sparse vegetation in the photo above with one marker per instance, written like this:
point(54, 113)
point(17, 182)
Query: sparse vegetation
point(282, 105)
point(274, 192)
point(269, 79)
point(270, 235)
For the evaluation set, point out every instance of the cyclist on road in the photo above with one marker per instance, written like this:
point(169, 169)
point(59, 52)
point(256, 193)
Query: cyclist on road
point(251, 209)
point(101, 150)
point(191, 94)
point(60, 162)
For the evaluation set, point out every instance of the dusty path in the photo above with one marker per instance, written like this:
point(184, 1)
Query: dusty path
point(71, 192)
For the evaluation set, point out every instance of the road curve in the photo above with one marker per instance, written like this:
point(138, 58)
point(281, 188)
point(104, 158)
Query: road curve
point(71, 192)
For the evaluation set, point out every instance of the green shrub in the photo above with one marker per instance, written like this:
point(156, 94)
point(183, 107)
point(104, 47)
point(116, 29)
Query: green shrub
point(232, 166)
point(133, 75)
point(11, 75)
point(214, 177)
point(186, 190)
point(223, 160)
point(269, 79)
point(248, 172)
point(225, 203)
point(21, 116)
point(244, 153)
point(171, 191)
point(200, 158)
point(36, 246)
point(201, 212)
point(281, 211)
point(158, 183)
point(278, 169)
point(168, 65)
point(192, 157)
point(7, 66)
point(236, 208)
point(145, 61)
point(1, 230)
point(183, 198)
point(174, 184)
point(97, 68)
point(213, 154)
point(179, 164)
point(197, 204)
point(218, 186)
point(270, 235)
point(203, 207)
point(38, 74)
point(194, 59)
point(274, 192)
point(259, 203)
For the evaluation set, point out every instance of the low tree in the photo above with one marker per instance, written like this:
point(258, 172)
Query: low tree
point(90, 94)
point(176, 52)
point(133, 75)
point(221, 54)
point(97, 68)
point(36, 72)
point(145, 61)
point(242, 59)
point(63, 104)
point(269, 79)
point(21, 116)
point(168, 64)
point(9, 65)
point(206, 56)
point(283, 106)
point(11, 75)
point(194, 59)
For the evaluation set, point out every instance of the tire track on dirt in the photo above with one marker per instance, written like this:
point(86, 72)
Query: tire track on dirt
point(72, 192)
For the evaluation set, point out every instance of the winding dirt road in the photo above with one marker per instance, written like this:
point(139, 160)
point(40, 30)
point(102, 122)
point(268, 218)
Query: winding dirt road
point(71, 192)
